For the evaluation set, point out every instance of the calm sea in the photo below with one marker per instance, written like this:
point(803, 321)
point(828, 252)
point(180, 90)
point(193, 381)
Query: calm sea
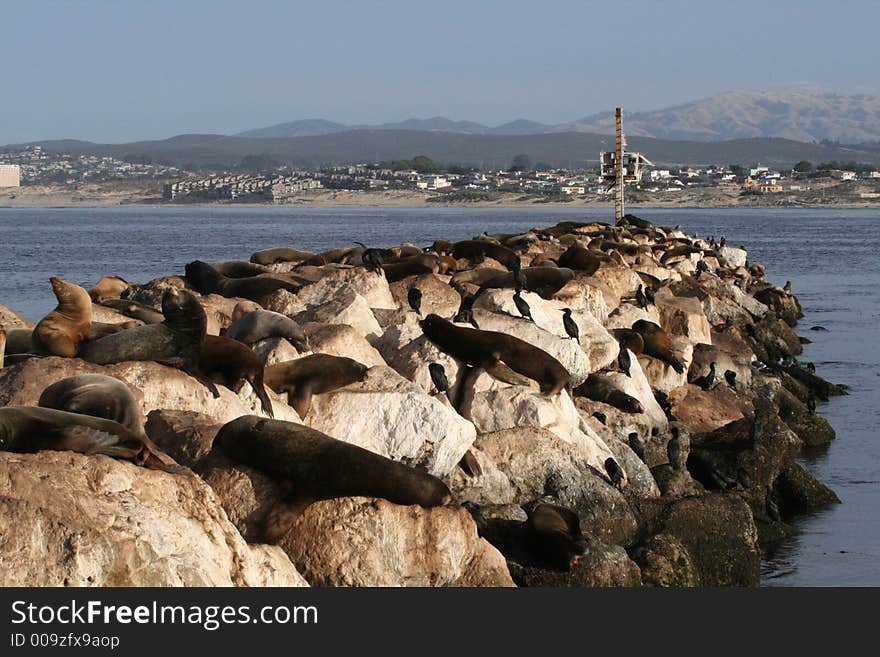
point(832, 258)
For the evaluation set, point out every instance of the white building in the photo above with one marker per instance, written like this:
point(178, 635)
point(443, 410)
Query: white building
point(10, 175)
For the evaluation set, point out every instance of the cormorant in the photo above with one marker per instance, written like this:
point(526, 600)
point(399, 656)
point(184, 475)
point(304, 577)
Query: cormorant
point(414, 297)
point(570, 325)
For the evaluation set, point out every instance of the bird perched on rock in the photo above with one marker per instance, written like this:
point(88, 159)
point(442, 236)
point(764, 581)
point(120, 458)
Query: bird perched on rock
point(673, 449)
point(730, 378)
point(787, 287)
point(522, 306)
point(372, 258)
point(703, 267)
point(414, 297)
point(465, 314)
point(624, 362)
point(649, 294)
point(614, 472)
point(438, 377)
point(811, 367)
point(641, 299)
point(636, 445)
point(570, 325)
point(707, 382)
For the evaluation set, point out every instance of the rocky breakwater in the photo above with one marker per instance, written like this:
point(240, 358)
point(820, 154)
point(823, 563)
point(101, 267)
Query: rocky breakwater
point(579, 405)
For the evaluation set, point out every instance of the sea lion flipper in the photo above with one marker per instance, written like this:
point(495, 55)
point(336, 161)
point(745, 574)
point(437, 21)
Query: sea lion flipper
point(279, 518)
point(502, 372)
point(301, 400)
point(470, 465)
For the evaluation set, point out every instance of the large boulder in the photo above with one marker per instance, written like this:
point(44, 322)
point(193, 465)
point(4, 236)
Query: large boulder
point(371, 286)
point(342, 340)
point(108, 523)
point(701, 411)
point(683, 317)
point(602, 565)
point(335, 302)
point(11, 319)
point(394, 417)
point(437, 296)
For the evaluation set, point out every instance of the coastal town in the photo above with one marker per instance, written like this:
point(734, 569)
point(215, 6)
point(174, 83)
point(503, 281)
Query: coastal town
point(423, 179)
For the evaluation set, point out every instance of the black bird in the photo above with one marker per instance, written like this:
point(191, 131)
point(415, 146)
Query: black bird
point(787, 287)
point(811, 403)
point(703, 266)
point(614, 472)
point(601, 417)
point(673, 450)
point(465, 313)
point(438, 377)
point(641, 299)
point(730, 377)
point(649, 294)
point(414, 297)
point(624, 362)
point(811, 367)
point(522, 306)
point(655, 432)
point(570, 325)
point(722, 242)
point(707, 382)
point(372, 258)
point(637, 445)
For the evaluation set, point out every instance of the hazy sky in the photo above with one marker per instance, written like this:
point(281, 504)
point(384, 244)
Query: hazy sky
point(121, 71)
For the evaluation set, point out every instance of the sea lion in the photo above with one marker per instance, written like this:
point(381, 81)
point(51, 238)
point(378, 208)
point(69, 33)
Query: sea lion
point(554, 537)
point(657, 344)
point(546, 281)
point(479, 249)
point(102, 329)
point(97, 395)
point(61, 331)
point(208, 280)
point(318, 467)
point(312, 375)
point(497, 353)
point(240, 269)
point(19, 341)
point(601, 390)
point(280, 254)
point(108, 287)
point(424, 263)
point(28, 429)
point(333, 255)
point(261, 324)
point(134, 309)
point(2, 345)
point(581, 259)
point(234, 363)
point(630, 339)
point(176, 342)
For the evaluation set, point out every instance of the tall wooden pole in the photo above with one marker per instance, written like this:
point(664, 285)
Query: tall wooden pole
point(618, 167)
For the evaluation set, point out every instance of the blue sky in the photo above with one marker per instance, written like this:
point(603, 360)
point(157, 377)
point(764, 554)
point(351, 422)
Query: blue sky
point(121, 71)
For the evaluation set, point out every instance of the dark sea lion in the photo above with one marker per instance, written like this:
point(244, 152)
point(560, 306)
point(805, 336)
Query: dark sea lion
point(2, 345)
point(333, 255)
point(234, 363)
point(496, 352)
point(134, 309)
point(478, 249)
point(545, 281)
point(581, 259)
point(601, 390)
point(657, 344)
point(312, 375)
point(108, 287)
point(97, 395)
point(240, 269)
point(102, 329)
point(61, 331)
point(208, 280)
point(442, 247)
point(630, 339)
point(318, 467)
point(176, 342)
point(424, 263)
point(29, 429)
point(261, 324)
point(280, 254)
point(18, 341)
point(554, 537)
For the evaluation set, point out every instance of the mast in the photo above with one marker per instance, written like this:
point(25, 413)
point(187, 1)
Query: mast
point(618, 167)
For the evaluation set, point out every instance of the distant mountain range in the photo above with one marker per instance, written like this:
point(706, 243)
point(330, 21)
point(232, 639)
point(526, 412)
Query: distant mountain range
point(800, 116)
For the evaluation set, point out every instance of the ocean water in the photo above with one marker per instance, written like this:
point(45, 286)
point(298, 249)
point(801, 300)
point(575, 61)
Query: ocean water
point(832, 258)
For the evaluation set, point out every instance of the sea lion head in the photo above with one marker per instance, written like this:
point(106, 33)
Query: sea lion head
point(183, 312)
point(70, 297)
point(432, 323)
point(203, 276)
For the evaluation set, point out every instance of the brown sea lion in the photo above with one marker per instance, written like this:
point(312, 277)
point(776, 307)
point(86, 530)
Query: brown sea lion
point(554, 537)
point(28, 429)
point(442, 247)
point(545, 281)
point(176, 342)
point(599, 389)
point(97, 395)
point(19, 341)
point(333, 255)
point(630, 339)
point(496, 352)
point(61, 331)
point(108, 287)
point(448, 265)
point(134, 309)
point(208, 280)
point(258, 325)
point(657, 344)
point(280, 254)
point(424, 263)
point(234, 363)
point(2, 345)
point(312, 375)
point(478, 249)
point(315, 467)
point(240, 269)
point(581, 259)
